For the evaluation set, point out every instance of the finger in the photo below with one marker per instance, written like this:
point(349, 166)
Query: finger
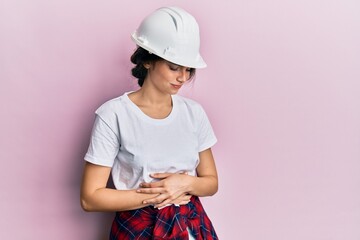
point(151, 185)
point(183, 202)
point(160, 175)
point(165, 175)
point(182, 199)
point(163, 204)
point(173, 199)
point(187, 197)
point(150, 190)
point(155, 200)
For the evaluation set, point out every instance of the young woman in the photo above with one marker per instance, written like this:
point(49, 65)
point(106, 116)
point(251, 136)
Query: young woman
point(156, 144)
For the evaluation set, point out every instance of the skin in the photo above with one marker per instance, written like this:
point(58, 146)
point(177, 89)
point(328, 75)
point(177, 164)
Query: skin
point(154, 99)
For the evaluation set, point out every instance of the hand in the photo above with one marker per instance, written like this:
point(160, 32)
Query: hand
point(172, 189)
point(182, 200)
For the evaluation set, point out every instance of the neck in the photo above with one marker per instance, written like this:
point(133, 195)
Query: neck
point(150, 96)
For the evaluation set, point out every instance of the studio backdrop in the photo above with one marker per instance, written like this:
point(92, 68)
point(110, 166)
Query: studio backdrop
point(282, 90)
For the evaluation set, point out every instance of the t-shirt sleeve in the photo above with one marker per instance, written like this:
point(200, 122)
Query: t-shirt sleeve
point(206, 135)
point(104, 144)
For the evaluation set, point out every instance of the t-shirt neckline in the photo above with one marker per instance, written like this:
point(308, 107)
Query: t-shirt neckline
point(147, 118)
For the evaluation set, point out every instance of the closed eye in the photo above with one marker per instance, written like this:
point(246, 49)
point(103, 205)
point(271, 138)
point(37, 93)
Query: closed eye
point(174, 68)
point(177, 68)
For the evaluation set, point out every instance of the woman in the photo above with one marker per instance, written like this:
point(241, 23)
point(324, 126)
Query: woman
point(157, 145)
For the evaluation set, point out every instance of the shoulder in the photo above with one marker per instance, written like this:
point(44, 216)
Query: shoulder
point(112, 105)
point(188, 103)
point(112, 108)
point(192, 107)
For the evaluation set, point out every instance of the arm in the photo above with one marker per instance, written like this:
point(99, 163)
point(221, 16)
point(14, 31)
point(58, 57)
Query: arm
point(206, 182)
point(174, 185)
point(96, 197)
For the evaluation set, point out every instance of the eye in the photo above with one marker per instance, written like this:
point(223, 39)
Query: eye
point(173, 67)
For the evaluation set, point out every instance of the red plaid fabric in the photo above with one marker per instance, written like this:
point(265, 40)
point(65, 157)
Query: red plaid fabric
point(167, 223)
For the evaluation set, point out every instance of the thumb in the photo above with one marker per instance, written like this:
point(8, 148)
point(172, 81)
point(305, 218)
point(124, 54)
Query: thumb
point(160, 175)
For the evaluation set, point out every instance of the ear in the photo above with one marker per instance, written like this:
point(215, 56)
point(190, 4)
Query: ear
point(147, 65)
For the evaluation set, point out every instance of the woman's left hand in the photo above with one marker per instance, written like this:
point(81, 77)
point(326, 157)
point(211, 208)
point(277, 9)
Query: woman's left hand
point(170, 187)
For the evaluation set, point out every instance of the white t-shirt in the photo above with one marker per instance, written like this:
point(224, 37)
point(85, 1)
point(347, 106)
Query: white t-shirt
point(136, 145)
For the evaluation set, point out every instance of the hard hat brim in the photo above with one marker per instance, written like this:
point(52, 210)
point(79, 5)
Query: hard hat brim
point(192, 63)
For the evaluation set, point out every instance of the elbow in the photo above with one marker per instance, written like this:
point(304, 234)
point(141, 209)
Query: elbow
point(85, 205)
point(215, 187)
point(211, 187)
point(208, 187)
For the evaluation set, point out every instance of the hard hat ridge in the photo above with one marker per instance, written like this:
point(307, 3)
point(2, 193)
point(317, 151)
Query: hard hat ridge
point(172, 14)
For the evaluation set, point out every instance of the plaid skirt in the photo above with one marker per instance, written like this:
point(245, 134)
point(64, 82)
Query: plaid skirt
point(171, 222)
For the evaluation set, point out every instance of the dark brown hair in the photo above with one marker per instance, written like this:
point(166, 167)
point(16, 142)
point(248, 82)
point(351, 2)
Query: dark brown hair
point(142, 56)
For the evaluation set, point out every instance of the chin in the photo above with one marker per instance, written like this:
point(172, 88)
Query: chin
point(174, 91)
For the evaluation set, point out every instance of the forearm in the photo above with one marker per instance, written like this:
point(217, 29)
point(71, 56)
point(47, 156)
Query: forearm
point(172, 185)
point(106, 199)
point(206, 182)
point(203, 186)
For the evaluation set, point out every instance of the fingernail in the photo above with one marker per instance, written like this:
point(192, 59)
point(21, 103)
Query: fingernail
point(144, 202)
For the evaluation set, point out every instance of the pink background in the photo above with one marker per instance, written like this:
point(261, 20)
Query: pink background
point(282, 90)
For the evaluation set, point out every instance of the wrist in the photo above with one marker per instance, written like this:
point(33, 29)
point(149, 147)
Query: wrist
point(190, 184)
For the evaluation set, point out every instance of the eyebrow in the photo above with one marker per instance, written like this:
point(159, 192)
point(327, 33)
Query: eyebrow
point(177, 65)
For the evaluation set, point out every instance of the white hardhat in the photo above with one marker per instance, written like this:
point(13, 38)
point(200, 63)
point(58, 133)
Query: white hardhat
point(172, 34)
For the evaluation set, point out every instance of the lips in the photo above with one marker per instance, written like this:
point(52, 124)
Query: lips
point(176, 86)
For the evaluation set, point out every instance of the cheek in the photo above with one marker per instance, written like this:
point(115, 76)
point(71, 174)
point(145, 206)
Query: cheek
point(167, 77)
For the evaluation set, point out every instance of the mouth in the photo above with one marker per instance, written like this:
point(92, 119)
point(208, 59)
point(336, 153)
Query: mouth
point(176, 86)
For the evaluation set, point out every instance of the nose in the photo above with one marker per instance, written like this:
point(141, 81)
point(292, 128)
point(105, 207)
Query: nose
point(183, 75)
